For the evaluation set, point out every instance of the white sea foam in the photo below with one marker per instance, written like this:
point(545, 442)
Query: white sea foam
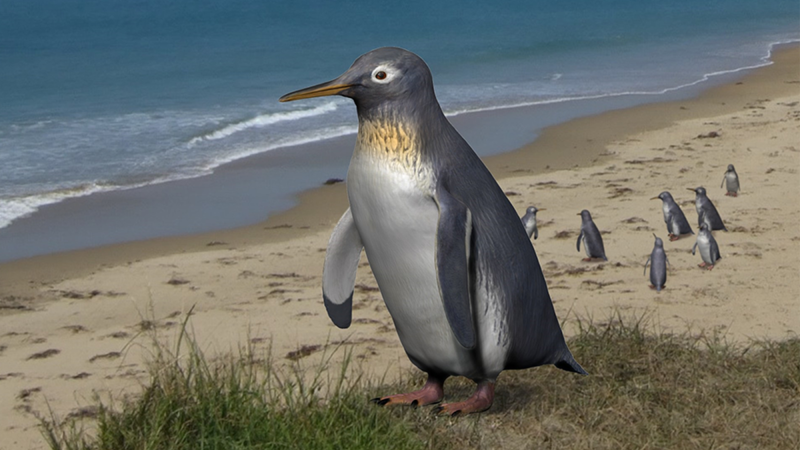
point(264, 120)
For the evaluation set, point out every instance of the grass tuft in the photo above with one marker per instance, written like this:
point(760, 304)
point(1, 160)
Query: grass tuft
point(646, 389)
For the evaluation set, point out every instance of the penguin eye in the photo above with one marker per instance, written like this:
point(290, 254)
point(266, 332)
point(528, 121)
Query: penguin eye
point(384, 74)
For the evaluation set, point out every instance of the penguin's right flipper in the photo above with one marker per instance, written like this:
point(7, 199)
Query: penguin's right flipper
point(580, 235)
point(339, 271)
point(715, 256)
point(535, 233)
point(645, 266)
point(453, 237)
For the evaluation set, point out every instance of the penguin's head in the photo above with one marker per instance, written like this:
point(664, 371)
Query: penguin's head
point(700, 191)
point(703, 227)
point(387, 74)
point(585, 215)
point(532, 210)
point(659, 242)
point(664, 196)
point(730, 168)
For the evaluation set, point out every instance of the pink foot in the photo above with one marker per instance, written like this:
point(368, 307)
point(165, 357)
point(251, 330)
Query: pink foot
point(710, 266)
point(481, 400)
point(432, 392)
point(735, 194)
point(702, 264)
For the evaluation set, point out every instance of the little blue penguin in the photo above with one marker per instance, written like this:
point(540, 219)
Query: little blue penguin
point(529, 222)
point(658, 265)
point(731, 182)
point(677, 225)
point(706, 212)
point(453, 263)
point(709, 250)
point(590, 235)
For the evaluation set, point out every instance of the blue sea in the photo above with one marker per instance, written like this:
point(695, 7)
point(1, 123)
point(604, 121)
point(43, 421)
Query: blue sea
point(104, 95)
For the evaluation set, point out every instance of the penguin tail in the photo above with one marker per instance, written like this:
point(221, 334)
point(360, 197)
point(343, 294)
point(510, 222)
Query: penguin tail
point(569, 364)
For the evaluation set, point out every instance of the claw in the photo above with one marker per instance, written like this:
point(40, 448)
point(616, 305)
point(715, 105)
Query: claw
point(431, 393)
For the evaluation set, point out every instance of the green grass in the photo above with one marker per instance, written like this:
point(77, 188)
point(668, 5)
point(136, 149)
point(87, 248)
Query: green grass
point(645, 390)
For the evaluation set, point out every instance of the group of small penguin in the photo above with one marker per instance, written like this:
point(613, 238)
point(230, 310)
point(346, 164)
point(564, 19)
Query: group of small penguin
point(708, 220)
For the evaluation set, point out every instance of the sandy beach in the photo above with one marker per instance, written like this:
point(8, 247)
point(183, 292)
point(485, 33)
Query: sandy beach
point(77, 324)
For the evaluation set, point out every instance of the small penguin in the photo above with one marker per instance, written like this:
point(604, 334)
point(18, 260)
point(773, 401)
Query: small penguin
point(731, 182)
point(658, 265)
point(709, 250)
point(706, 212)
point(529, 222)
point(590, 235)
point(677, 225)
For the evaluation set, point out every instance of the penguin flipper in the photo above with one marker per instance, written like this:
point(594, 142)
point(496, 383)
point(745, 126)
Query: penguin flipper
point(339, 270)
point(645, 266)
point(453, 236)
point(580, 235)
point(535, 233)
point(694, 247)
point(715, 251)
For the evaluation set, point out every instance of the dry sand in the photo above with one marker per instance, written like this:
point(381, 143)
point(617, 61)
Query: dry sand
point(71, 324)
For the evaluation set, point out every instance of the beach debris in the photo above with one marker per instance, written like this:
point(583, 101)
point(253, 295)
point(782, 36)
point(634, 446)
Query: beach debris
point(634, 220)
point(331, 181)
point(366, 288)
point(44, 354)
point(24, 394)
point(303, 351)
point(511, 193)
point(710, 134)
point(109, 355)
point(213, 243)
point(564, 234)
point(75, 328)
point(119, 335)
point(177, 281)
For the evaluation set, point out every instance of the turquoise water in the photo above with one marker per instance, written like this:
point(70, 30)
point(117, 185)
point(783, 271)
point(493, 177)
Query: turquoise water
point(108, 95)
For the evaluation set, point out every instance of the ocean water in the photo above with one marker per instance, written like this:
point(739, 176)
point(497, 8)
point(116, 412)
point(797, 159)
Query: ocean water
point(101, 95)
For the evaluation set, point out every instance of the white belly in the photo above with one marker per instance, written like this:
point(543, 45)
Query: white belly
point(397, 222)
point(704, 245)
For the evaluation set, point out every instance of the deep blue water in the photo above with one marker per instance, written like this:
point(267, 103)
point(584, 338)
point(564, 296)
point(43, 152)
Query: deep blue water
point(110, 94)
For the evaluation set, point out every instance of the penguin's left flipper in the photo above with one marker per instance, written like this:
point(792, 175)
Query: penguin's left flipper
point(578, 244)
point(645, 266)
point(453, 236)
point(339, 271)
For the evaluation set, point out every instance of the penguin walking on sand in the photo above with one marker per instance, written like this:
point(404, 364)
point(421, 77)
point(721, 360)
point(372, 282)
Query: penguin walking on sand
point(592, 240)
point(731, 182)
point(455, 268)
point(706, 212)
point(677, 225)
point(529, 222)
point(709, 250)
point(658, 265)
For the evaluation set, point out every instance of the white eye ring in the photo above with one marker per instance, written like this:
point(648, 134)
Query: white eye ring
point(389, 73)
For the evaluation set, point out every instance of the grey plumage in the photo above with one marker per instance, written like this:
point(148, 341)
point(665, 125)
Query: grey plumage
point(457, 272)
point(677, 224)
point(731, 181)
point(706, 211)
point(709, 250)
point(658, 265)
point(529, 222)
point(590, 235)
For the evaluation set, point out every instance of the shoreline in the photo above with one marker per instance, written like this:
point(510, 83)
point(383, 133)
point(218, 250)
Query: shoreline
point(82, 323)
